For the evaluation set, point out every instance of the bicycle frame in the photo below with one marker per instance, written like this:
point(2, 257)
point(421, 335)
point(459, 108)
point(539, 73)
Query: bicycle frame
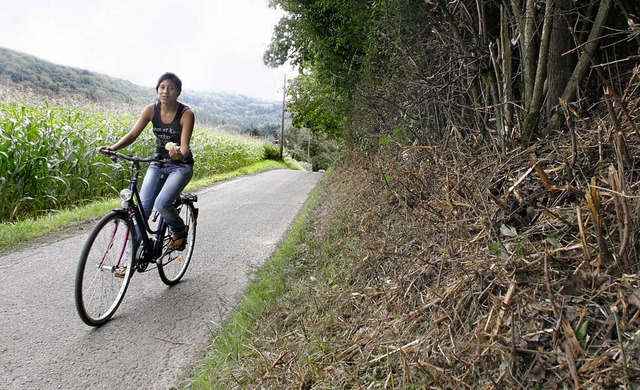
point(132, 205)
point(122, 249)
point(140, 220)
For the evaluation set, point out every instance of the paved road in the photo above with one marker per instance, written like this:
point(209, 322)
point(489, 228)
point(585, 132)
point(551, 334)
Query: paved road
point(157, 331)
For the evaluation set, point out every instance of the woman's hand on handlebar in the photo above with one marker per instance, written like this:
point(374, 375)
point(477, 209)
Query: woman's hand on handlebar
point(103, 149)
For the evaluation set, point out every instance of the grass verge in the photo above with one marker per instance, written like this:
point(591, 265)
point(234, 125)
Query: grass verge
point(268, 284)
point(14, 236)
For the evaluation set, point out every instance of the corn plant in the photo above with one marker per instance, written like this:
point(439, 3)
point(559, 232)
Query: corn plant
point(218, 152)
point(46, 155)
point(48, 159)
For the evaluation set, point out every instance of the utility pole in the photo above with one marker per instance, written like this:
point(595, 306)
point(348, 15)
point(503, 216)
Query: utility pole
point(309, 149)
point(284, 94)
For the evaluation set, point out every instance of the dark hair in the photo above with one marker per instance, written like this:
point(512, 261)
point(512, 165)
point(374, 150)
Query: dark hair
point(172, 77)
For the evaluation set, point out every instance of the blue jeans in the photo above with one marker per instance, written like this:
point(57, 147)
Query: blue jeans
point(161, 187)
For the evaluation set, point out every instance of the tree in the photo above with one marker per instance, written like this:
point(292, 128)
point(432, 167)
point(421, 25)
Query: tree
point(326, 40)
point(422, 70)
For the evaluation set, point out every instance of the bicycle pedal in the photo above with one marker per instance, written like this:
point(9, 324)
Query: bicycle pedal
point(120, 273)
point(142, 266)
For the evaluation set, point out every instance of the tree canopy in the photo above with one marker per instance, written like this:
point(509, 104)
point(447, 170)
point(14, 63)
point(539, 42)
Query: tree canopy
point(508, 71)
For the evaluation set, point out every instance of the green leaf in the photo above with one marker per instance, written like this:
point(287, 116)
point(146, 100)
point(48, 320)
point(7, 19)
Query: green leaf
point(508, 231)
point(582, 332)
point(494, 249)
point(553, 241)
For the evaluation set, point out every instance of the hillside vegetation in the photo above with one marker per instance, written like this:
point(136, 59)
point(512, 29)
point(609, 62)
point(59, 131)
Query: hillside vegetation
point(42, 78)
point(483, 231)
point(63, 85)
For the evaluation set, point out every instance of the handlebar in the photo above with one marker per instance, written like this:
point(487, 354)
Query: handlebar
point(114, 156)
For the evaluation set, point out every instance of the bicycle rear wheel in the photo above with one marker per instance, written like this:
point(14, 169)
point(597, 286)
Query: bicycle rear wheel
point(104, 270)
point(173, 264)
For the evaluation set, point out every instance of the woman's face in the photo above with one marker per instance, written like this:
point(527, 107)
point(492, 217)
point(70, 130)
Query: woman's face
point(167, 91)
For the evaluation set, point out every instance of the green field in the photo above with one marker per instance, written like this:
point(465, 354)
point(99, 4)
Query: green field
point(48, 160)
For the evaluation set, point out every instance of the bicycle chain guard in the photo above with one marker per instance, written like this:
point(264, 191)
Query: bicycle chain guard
point(141, 259)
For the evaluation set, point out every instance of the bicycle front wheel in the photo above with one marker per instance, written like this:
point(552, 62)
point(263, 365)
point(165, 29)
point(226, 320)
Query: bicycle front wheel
point(104, 270)
point(173, 264)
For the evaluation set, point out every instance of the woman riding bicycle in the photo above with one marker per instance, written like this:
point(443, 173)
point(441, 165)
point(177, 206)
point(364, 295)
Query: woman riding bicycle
point(173, 126)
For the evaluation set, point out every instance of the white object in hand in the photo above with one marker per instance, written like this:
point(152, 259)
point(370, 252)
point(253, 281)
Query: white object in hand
point(170, 145)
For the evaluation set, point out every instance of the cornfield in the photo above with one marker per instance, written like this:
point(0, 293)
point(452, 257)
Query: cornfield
point(48, 160)
point(218, 152)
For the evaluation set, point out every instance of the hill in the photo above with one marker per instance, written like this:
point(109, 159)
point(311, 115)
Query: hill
point(26, 74)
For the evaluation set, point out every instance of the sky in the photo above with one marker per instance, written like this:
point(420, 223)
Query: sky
point(212, 45)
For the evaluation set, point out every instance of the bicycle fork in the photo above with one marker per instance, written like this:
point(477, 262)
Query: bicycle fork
point(112, 268)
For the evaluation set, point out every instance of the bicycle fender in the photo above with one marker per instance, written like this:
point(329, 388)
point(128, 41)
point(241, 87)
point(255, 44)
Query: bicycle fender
point(122, 212)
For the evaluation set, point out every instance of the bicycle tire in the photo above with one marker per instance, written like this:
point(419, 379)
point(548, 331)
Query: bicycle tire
point(173, 264)
point(108, 249)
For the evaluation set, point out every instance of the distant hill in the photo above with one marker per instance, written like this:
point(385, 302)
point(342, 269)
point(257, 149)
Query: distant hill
point(24, 72)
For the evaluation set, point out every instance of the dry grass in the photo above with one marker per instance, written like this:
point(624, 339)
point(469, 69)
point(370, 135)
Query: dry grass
point(452, 270)
point(482, 273)
point(459, 267)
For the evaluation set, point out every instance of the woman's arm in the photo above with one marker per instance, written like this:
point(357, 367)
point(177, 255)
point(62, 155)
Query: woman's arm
point(187, 122)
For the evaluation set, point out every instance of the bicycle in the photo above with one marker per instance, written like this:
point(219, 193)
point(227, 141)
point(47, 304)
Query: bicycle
point(124, 241)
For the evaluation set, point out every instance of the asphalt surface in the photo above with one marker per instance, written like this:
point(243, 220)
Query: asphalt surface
point(158, 332)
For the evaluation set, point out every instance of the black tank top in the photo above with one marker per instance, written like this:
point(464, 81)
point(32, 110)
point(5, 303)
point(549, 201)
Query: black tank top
point(168, 132)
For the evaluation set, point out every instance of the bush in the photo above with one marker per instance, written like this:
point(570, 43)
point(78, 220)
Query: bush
point(272, 152)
